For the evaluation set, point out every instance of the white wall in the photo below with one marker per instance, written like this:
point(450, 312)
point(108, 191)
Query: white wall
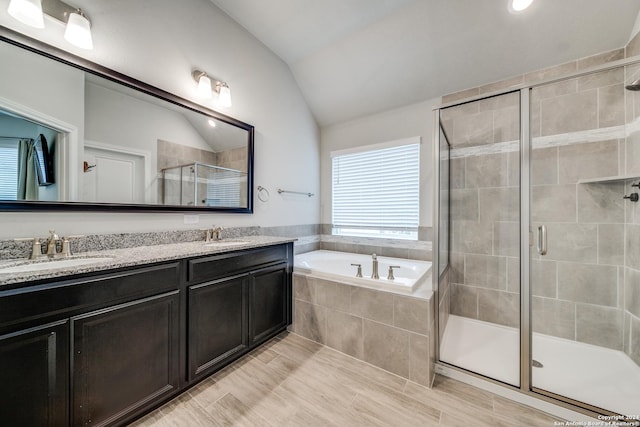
point(161, 42)
point(399, 123)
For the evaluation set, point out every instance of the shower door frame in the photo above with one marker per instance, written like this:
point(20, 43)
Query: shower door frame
point(526, 238)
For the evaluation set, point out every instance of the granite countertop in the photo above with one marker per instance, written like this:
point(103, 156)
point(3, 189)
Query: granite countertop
point(140, 255)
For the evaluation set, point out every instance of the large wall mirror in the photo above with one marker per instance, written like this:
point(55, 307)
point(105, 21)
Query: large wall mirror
point(77, 136)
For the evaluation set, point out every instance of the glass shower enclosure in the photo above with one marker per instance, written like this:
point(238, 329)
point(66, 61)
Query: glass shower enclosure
point(199, 184)
point(538, 239)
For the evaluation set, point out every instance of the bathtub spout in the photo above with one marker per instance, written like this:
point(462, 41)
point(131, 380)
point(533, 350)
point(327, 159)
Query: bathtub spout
point(374, 270)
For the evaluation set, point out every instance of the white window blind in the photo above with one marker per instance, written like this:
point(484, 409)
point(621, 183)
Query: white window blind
point(376, 192)
point(9, 169)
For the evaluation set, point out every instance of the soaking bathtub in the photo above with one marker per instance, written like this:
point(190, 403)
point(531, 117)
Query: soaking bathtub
point(333, 265)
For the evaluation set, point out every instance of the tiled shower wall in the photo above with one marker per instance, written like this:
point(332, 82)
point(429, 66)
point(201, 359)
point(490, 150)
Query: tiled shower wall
point(587, 288)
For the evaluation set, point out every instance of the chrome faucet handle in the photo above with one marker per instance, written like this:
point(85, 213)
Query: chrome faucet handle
point(390, 276)
point(51, 243)
point(36, 247)
point(66, 245)
point(359, 272)
point(216, 232)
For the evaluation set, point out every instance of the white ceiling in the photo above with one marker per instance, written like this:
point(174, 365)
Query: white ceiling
point(357, 57)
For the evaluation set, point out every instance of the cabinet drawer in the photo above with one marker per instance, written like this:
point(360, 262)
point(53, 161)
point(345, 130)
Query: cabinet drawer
point(218, 266)
point(74, 296)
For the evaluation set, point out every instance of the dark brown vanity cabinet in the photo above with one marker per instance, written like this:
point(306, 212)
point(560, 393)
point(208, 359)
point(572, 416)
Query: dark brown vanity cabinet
point(34, 376)
point(245, 303)
point(105, 348)
point(124, 358)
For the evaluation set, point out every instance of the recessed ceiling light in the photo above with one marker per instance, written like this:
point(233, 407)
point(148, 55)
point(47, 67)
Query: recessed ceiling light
point(212, 123)
point(519, 5)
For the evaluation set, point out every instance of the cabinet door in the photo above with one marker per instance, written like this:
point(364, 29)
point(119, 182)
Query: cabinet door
point(269, 302)
point(125, 358)
point(34, 372)
point(218, 318)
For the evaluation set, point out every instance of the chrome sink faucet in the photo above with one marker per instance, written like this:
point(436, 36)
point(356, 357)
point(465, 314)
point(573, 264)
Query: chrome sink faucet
point(374, 270)
point(214, 234)
point(52, 242)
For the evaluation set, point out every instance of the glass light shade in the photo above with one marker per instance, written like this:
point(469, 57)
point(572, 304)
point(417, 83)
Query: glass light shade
point(520, 5)
point(224, 96)
point(28, 12)
point(204, 86)
point(78, 31)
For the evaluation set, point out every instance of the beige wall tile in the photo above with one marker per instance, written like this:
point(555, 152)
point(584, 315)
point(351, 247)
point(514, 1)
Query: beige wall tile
point(601, 203)
point(599, 325)
point(310, 321)
point(488, 170)
point(611, 244)
point(472, 130)
point(572, 242)
point(501, 85)
point(387, 347)
point(304, 288)
point(456, 267)
point(506, 124)
point(443, 313)
point(411, 314)
point(544, 278)
point(632, 291)
point(499, 307)
point(588, 283)
point(463, 94)
point(632, 257)
point(611, 106)
point(464, 301)
point(485, 271)
point(513, 275)
point(544, 166)
point(419, 360)
point(345, 333)
point(553, 90)
point(589, 160)
point(457, 171)
point(601, 58)
point(633, 47)
point(634, 351)
point(553, 203)
point(372, 305)
point(498, 204)
point(513, 169)
point(333, 295)
point(601, 79)
point(464, 204)
point(551, 72)
point(632, 148)
point(569, 113)
point(472, 237)
point(554, 317)
point(506, 238)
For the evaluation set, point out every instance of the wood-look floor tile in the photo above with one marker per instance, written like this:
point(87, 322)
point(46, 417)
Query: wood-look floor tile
point(524, 415)
point(469, 394)
point(294, 382)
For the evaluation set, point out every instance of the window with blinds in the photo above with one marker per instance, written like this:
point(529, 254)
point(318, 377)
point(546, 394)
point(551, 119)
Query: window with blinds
point(376, 190)
point(8, 170)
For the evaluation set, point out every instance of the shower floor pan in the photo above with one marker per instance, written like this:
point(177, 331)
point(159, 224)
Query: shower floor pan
point(595, 375)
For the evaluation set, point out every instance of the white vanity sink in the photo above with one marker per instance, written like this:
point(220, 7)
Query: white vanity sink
point(52, 264)
point(225, 243)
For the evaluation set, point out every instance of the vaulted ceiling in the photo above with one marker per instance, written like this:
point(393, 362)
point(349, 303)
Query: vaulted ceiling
point(357, 57)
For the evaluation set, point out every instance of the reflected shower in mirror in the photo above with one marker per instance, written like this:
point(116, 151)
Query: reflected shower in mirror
point(112, 143)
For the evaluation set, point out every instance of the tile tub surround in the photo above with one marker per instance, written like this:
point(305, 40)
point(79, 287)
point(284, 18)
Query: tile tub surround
point(584, 288)
point(390, 331)
point(139, 255)
point(291, 382)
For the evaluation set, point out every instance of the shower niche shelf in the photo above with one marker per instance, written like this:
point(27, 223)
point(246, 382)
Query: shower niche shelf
point(606, 179)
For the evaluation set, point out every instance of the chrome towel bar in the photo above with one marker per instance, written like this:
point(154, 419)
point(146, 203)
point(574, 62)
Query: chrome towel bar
point(280, 191)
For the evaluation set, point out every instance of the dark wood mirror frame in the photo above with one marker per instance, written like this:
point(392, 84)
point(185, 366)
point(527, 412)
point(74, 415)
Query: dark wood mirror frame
point(40, 48)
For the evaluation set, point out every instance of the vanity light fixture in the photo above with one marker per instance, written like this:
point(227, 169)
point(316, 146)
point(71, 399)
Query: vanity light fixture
point(517, 6)
point(78, 26)
point(28, 12)
point(205, 88)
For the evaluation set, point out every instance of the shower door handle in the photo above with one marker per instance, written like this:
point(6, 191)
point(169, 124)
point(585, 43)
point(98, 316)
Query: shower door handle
point(542, 240)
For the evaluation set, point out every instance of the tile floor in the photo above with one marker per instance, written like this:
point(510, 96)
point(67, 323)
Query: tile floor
point(292, 381)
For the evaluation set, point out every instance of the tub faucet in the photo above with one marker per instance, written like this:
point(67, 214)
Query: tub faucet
point(374, 270)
